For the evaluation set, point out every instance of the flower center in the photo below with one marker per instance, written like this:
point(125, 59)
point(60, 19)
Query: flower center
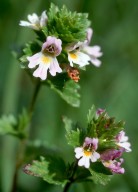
point(107, 163)
point(87, 153)
point(73, 55)
point(88, 150)
point(46, 60)
point(51, 49)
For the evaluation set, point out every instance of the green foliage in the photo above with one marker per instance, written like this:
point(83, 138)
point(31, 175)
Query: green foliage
point(12, 126)
point(69, 27)
point(72, 136)
point(7, 124)
point(91, 115)
point(91, 128)
point(67, 89)
point(99, 173)
point(104, 128)
point(30, 49)
point(99, 178)
point(52, 170)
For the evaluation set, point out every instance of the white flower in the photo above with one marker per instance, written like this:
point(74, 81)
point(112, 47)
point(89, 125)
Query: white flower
point(46, 59)
point(122, 141)
point(35, 22)
point(81, 53)
point(75, 55)
point(87, 153)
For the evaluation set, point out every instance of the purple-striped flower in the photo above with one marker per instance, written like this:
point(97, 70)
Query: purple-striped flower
point(114, 166)
point(88, 152)
point(109, 157)
point(46, 59)
point(111, 154)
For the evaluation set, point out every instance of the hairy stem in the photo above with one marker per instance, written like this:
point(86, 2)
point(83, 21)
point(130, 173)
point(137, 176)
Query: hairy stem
point(71, 178)
point(22, 145)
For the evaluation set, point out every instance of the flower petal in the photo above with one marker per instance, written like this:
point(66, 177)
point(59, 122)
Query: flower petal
point(24, 23)
point(43, 19)
point(54, 67)
point(41, 71)
point(126, 146)
point(95, 156)
point(34, 60)
point(96, 62)
point(84, 161)
point(33, 18)
point(56, 43)
point(79, 152)
point(79, 58)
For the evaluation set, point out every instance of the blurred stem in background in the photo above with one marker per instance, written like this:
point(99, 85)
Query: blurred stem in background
point(22, 144)
point(10, 98)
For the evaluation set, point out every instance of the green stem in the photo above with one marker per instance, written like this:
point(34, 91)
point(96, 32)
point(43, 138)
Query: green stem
point(22, 145)
point(71, 179)
point(33, 101)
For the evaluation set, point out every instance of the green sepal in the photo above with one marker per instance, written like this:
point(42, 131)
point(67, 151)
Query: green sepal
point(51, 170)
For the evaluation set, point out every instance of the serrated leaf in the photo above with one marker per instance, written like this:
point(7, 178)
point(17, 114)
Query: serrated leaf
point(72, 136)
point(23, 120)
point(68, 123)
point(52, 170)
point(91, 129)
point(91, 114)
point(67, 89)
point(99, 178)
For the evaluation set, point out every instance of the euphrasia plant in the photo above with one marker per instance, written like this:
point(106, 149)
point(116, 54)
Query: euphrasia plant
point(60, 50)
point(54, 58)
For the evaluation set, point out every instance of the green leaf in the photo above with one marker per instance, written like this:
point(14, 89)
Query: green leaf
point(52, 170)
point(99, 178)
point(68, 26)
point(30, 49)
point(66, 88)
point(7, 124)
point(91, 129)
point(14, 126)
point(72, 136)
point(91, 114)
point(23, 120)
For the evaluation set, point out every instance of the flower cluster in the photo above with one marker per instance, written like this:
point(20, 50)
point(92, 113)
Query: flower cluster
point(93, 148)
point(76, 54)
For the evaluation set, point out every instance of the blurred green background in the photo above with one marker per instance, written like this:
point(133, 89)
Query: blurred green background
point(112, 86)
